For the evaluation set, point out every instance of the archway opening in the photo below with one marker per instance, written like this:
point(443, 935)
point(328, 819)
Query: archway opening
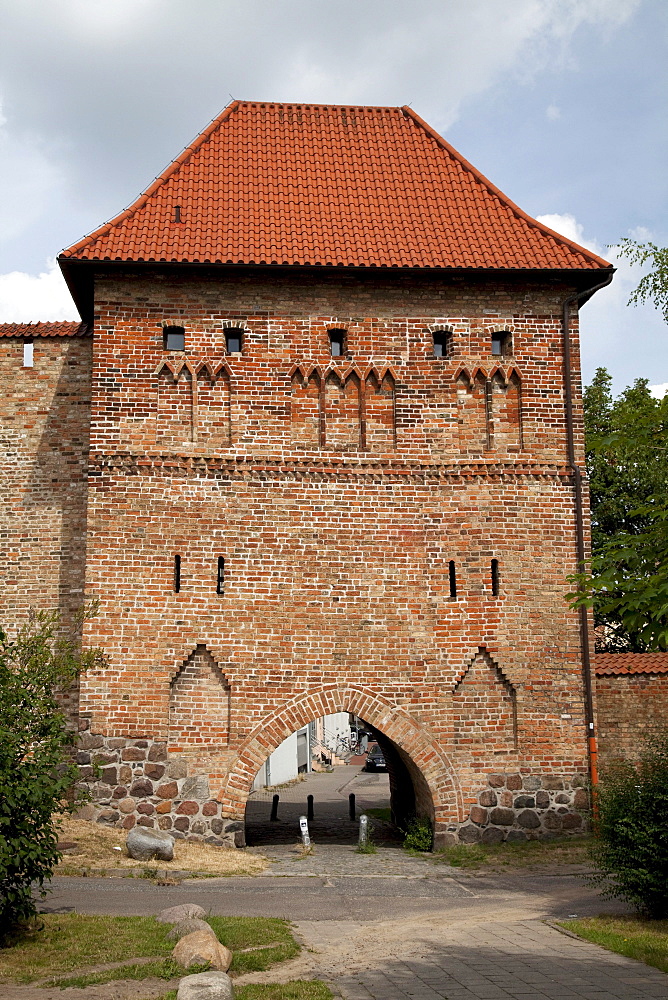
point(365, 763)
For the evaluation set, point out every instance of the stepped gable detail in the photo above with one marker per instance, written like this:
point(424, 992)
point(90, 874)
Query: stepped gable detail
point(292, 184)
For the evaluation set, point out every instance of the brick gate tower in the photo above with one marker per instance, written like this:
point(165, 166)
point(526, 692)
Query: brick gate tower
point(333, 465)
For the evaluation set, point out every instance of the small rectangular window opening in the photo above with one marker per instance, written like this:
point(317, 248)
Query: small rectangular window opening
point(233, 341)
point(495, 577)
point(452, 574)
point(502, 343)
point(177, 574)
point(337, 339)
point(177, 213)
point(442, 343)
point(174, 338)
point(220, 579)
point(28, 354)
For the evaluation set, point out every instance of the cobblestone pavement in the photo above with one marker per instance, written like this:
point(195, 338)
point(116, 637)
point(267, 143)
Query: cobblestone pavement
point(523, 961)
point(331, 822)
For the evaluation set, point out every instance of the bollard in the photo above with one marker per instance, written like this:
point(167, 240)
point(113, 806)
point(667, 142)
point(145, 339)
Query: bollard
point(274, 809)
point(309, 807)
point(303, 827)
point(351, 806)
point(364, 830)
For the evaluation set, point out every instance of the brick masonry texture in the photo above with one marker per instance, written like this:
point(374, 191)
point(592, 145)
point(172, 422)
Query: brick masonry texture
point(630, 706)
point(357, 503)
point(338, 492)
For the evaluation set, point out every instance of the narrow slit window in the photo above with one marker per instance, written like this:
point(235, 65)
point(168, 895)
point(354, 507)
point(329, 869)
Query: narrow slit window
point(177, 574)
point(220, 578)
point(502, 343)
point(177, 213)
point(174, 338)
point(28, 354)
point(337, 342)
point(233, 341)
point(452, 575)
point(495, 577)
point(442, 343)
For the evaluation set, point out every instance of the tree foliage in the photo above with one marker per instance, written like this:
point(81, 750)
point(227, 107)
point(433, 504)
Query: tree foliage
point(627, 466)
point(36, 773)
point(631, 850)
point(653, 287)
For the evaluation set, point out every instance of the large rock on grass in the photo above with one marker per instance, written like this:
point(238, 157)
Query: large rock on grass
point(189, 927)
point(144, 844)
point(199, 948)
point(206, 986)
point(184, 911)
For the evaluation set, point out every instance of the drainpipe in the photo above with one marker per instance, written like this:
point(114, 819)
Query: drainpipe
point(579, 532)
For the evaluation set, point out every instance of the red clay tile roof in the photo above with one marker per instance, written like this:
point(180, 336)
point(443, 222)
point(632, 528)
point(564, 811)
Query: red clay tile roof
point(294, 184)
point(27, 330)
point(607, 664)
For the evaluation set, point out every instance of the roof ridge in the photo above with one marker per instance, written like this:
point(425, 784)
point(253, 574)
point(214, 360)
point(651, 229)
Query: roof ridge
point(157, 182)
point(497, 191)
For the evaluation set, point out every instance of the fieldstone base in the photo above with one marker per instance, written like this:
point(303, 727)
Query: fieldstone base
point(517, 807)
point(136, 782)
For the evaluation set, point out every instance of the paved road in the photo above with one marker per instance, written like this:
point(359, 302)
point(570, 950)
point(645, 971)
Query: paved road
point(389, 927)
point(425, 936)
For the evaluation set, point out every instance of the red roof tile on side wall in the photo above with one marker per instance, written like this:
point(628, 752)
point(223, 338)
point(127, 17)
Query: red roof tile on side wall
point(607, 664)
point(289, 184)
point(28, 330)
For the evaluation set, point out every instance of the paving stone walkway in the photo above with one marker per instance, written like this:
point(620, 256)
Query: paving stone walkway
point(514, 961)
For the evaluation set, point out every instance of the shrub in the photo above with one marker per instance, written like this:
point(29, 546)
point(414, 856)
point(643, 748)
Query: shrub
point(36, 772)
point(418, 835)
point(631, 849)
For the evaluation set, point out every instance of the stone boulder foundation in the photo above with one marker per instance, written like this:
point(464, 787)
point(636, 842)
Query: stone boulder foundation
point(189, 926)
point(199, 948)
point(184, 911)
point(206, 986)
point(144, 844)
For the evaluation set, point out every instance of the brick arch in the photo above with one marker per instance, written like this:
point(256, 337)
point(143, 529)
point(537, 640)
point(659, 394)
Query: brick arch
point(411, 739)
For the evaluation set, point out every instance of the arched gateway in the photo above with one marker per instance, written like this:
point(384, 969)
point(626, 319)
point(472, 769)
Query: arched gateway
point(314, 451)
point(437, 794)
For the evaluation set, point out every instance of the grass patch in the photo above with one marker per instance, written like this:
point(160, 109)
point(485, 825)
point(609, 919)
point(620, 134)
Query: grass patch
point(99, 849)
point(560, 851)
point(298, 989)
point(71, 943)
point(68, 942)
point(161, 969)
point(271, 935)
point(635, 937)
point(380, 813)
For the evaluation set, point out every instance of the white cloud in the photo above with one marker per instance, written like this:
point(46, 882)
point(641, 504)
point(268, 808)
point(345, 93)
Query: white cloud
point(552, 113)
point(612, 333)
point(659, 391)
point(26, 298)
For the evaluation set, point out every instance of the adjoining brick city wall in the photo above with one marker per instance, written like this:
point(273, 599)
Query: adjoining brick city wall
point(632, 699)
point(45, 421)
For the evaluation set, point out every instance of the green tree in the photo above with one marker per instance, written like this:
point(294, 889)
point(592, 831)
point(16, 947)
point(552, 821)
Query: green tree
point(36, 770)
point(631, 849)
point(653, 287)
point(627, 466)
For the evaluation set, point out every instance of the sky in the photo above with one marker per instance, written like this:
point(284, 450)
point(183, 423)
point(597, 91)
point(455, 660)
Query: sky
point(560, 103)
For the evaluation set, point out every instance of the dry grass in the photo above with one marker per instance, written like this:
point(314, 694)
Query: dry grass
point(97, 850)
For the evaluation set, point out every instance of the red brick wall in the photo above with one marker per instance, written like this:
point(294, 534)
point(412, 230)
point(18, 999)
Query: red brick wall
point(629, 707)
point(45, 416)
point(338, 494)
